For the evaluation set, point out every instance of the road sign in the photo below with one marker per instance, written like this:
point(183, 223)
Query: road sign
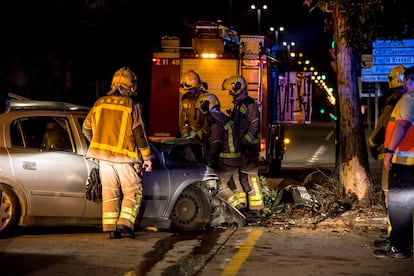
point(383, 69)
point(393, 51)
point(374, 78)
point(393, 43)
point(378, 60)
point(366, 61)
point(387, 54)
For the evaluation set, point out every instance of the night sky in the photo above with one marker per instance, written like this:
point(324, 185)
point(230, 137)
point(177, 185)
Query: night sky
point(94, 38)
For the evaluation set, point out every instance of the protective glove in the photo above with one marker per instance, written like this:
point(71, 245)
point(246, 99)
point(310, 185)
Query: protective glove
point(93, 189)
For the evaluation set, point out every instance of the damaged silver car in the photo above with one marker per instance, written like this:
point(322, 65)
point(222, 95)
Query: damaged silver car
point(43, 173)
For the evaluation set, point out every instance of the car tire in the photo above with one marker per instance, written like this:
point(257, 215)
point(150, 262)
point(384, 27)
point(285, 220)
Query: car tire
point(191, 211)
point(9, 210)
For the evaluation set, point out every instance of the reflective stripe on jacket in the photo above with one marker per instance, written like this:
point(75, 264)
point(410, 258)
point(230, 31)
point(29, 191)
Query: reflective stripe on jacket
point(113, 130)
point(223, 144)
point(404, 110)
point(247, 121)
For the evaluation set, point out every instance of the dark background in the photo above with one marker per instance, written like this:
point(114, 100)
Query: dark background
point(69, 49)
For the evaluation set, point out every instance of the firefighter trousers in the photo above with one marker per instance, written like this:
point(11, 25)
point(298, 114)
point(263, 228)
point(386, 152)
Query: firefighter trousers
point(249, 179)
point(225, 191)
point(121, 194)
point(400, 206)
point(246, 187)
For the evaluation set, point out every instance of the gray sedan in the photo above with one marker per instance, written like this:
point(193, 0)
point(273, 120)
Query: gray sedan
point(43, 172)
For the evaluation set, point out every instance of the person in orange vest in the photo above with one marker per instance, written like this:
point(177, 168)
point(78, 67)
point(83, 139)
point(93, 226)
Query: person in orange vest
point(246, 117)
point(399, 161)
point(118, 140)
point(377, 136)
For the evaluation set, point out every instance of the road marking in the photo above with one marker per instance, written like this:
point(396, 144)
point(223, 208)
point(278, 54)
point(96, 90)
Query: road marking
point(320, 150)
point(244, 251)
point(329, 135)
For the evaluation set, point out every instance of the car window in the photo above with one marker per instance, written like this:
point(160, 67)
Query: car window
point(42, 132)
point(15, 134)
point(80, 121)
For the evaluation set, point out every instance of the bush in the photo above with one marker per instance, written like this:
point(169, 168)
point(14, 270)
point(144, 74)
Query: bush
point(269, 197)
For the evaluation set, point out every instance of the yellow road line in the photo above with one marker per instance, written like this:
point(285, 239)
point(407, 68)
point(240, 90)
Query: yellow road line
point(244, 251)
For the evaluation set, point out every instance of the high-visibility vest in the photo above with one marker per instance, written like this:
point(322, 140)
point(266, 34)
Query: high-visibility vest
point(404, 153)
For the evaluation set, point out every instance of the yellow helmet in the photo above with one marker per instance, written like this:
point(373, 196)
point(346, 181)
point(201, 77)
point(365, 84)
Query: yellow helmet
point(235, 84)
point(190, 79)
point(396, 77)
point(207, 102)
point(125, 78)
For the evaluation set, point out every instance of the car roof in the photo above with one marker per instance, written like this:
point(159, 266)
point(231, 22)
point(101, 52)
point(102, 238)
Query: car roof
point(45, 105)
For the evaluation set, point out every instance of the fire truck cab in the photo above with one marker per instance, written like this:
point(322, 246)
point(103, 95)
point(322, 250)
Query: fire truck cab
point(216, 53)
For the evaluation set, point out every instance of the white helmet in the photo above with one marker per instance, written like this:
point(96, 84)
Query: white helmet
point(126, 79)
point(189, 80)
point(235, 84)
point(207, 102)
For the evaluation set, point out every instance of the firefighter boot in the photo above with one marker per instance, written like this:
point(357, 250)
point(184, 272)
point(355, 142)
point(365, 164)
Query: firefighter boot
point(255, 195)
point(228, 195)
point(238, 190)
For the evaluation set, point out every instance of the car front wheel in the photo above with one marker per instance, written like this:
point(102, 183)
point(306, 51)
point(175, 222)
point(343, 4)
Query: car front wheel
point(191, 211)
point(9, 210)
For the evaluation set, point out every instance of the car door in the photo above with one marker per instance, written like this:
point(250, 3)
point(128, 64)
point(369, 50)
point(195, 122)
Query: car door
point(156, 188)
point(52, 178)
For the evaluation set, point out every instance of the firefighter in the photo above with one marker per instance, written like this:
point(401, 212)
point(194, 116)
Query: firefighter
point(377, 136)
point(246, 119)
point(192, 123)
point(222, 145)
point(399, 161)
point(118, 140)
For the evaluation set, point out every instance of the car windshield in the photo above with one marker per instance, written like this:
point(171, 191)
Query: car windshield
point(178, 152)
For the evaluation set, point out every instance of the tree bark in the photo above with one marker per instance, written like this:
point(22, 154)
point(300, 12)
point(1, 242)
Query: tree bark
point(354, 173)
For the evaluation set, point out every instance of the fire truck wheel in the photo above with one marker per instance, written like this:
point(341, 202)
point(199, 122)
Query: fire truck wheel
point(191, 211)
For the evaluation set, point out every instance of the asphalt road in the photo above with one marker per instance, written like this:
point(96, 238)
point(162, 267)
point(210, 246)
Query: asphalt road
point(233, 251)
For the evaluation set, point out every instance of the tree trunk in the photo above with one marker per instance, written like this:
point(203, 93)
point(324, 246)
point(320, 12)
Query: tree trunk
point(354, 173)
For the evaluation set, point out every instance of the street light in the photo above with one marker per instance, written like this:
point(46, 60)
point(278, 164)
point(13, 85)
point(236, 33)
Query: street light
point(259, 11)
point(288, 45)
point(277, 30)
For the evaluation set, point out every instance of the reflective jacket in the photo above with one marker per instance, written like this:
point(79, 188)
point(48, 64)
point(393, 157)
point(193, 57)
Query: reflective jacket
point(377, 136)
point(222, 143)
point(192, 121)
point(404, 110)
point(118, 130)
point(246, 118)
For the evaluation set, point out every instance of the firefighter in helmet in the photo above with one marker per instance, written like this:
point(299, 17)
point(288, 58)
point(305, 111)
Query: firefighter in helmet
point(192, 123)
point(222, 145)
point(377, 136)
point(118, 141)
point(246, 119)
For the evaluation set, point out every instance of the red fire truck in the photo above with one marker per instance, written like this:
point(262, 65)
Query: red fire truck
point(217, 52)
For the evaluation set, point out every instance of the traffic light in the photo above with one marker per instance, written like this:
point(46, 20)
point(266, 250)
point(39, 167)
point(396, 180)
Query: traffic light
point(322, 111)
point(332, 50)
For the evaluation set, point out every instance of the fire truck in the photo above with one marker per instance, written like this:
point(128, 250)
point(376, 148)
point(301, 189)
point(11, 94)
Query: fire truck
point(217, 52)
